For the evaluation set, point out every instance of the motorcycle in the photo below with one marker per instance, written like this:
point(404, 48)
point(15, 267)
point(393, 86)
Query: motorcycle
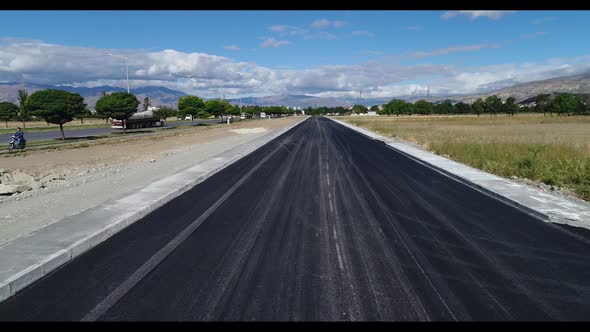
point(12, 144)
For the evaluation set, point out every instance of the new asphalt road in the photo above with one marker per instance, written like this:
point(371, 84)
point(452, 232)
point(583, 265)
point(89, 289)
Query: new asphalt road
point(76, 133)
point(324, 224)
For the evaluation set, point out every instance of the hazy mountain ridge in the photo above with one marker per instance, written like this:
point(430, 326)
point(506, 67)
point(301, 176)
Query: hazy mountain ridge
point(579, 84)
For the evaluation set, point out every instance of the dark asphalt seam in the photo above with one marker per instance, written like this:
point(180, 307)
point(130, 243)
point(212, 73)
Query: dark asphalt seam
point(156, 259)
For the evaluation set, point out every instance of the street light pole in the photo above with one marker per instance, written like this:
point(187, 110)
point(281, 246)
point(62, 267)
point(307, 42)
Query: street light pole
point(126, 67)
point(127, 74)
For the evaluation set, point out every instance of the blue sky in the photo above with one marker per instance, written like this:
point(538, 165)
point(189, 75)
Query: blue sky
point(326, 53)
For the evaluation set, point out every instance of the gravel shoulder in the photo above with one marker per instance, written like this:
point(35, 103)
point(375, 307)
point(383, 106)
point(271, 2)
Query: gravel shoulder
point(58, 184)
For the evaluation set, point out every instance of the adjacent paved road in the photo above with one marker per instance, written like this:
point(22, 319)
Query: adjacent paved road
point(56, 134)
point(324, 224)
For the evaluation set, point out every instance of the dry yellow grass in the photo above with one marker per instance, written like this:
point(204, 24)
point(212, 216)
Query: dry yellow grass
point(554, 150)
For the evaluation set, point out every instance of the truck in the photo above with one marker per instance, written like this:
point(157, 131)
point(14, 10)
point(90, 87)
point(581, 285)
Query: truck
point(143, 119)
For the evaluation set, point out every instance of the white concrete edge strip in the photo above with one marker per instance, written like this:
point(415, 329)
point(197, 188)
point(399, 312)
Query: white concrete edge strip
point(545, 206)
point(122, 212)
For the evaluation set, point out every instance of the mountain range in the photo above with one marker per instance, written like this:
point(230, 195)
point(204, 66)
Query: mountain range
point(579, 84)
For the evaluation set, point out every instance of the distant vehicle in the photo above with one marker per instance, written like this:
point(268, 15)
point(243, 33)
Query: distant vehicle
point(188, 117)
point(145, 119)
point(262, 114)
point(243, 116)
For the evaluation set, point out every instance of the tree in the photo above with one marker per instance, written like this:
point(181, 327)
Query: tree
point(478, 106)
point(8, 111)
point(85, 114)
point(215, 107)
point(542, 103)
point(23, 112)
point(146, 103)
point(117, 105)
point(395, 106)
point(203, 114)
point(463, 108)
point(102, 94)
point(493, 104)
point(55, 106)
point(409, 108)
point(359, 109)
point(565, 103)
point(339, 110)
point(443, 108)
point(375, 109)
point(190, 105)
point(235, 110)
point(510, 107)
point(423, 107)
point(164, 112)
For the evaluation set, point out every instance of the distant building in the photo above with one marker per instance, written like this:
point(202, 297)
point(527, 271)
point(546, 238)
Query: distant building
point(529, 102)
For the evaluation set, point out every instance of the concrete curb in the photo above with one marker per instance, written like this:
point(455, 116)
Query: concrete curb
point(543, 206)
point(30, 258)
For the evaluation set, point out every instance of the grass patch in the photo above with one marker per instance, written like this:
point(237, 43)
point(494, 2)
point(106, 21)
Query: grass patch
point(552, 150)
point(54, 128)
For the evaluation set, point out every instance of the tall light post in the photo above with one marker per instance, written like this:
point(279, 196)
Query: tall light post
point(126, 67)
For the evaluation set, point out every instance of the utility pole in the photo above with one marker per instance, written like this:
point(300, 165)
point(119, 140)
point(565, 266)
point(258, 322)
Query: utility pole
point(361, 101)
point(126, 66)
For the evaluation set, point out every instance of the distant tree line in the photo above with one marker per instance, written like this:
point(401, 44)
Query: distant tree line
point(560, 104)
point(59, 107)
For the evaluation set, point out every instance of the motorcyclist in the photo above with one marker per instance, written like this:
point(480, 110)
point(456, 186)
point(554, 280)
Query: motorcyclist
point(19, 136)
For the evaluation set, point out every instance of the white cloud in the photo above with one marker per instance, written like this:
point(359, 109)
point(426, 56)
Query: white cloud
point(38, 62)
point(232, 47)
point(324, 23)
point(454, 49)
point(363, 33)
point(271, 42)
point(475, 14)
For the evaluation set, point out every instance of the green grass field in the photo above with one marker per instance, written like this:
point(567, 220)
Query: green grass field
point(553, 150)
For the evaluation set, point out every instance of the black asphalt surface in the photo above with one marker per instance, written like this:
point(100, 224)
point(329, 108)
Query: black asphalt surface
point(74, 133)
point(323, 223)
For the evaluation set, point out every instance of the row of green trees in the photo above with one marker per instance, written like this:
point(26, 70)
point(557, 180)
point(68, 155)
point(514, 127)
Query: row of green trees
point(198, 108)
point(59, 107)
point(10, 111)
point(561, 104)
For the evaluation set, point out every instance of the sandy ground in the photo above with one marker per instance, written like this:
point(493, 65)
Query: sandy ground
point(66, 182)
